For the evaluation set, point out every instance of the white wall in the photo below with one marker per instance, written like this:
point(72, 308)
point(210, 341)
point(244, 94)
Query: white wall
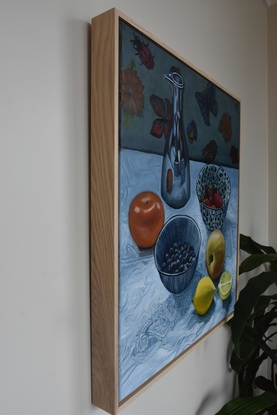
point(44, 234)
point(272, 124)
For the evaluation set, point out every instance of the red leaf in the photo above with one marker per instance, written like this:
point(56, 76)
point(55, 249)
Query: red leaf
point(158, 105)
point(157, 128)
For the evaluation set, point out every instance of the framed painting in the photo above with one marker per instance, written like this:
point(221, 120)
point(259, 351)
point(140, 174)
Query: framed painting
point(164, 181)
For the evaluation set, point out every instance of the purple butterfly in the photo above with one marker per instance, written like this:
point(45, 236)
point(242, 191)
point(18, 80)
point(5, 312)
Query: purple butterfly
point(207, 102)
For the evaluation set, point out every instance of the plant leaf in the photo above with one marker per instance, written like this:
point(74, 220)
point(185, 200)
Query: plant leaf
point(255, 260)
point(248, 351)
point(247, 300)
point(264, 302)
point(248, 245)
point(265, 384)
point(268, 338)
point(249, 405)
point(262, 324)
point(252, 334)
point(273, 267)
point(250, 372)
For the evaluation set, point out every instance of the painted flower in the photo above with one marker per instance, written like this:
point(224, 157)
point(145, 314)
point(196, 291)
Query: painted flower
point(225, 126)
point(132, 98)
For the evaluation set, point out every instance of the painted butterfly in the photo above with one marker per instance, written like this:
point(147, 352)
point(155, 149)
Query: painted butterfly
point(192, 131)
point(209, 152)
point(207, 102)
point(163, 109)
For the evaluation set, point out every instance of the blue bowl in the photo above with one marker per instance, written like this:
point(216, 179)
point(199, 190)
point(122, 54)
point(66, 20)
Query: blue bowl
point(182, 234)
point(212, 174)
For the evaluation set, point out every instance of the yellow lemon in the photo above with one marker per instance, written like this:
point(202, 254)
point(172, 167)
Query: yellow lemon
point(204, 295)
point(225, 285)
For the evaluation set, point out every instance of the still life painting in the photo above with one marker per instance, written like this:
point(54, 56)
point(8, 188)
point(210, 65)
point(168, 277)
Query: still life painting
point(179, 137)
point(165, 146)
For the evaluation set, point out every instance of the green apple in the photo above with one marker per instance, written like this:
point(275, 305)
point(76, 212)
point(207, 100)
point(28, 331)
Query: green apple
point(215, 254)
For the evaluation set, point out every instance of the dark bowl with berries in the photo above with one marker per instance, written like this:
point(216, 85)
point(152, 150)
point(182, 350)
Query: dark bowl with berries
point(213, 189)
point(176, 252)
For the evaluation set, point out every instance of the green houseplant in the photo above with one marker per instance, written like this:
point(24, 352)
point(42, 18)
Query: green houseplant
point(253, 327)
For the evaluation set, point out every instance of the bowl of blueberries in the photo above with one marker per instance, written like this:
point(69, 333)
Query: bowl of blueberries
point(176, 252)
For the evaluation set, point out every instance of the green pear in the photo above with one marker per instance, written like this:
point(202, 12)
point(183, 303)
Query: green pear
point(215, 254)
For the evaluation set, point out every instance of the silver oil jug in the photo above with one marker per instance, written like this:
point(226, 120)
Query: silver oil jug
point(175, 185)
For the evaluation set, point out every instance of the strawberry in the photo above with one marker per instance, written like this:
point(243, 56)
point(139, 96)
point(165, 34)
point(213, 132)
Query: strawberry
point(212, 190)
point(211, 197)
point(206, 202)
point(217, 200)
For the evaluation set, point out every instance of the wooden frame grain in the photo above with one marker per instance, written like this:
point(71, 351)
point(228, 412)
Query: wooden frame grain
point(104, 211)
point(104, 217)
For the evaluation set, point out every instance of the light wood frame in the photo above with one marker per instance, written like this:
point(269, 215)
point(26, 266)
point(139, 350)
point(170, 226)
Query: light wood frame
point(104, 215)
point(104, 211)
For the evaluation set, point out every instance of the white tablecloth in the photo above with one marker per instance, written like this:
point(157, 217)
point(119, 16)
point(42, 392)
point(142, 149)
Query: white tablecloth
point(156, 326)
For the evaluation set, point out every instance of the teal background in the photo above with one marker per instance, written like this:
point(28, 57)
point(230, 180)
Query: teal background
point(137, 135)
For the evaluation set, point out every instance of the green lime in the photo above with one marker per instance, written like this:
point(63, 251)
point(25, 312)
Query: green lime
point(225, 285)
